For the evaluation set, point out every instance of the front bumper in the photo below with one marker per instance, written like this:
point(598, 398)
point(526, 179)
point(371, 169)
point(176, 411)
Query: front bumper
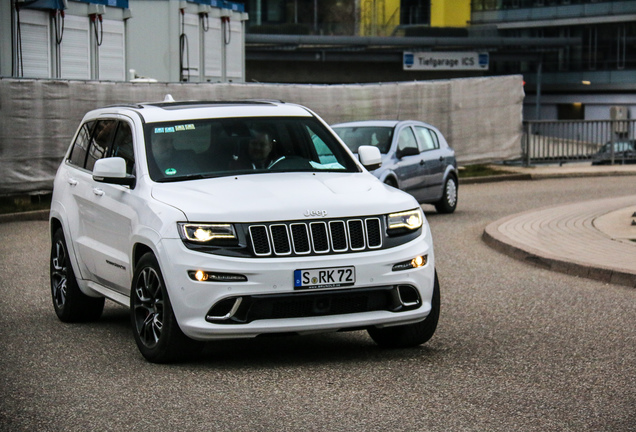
point(269, 304)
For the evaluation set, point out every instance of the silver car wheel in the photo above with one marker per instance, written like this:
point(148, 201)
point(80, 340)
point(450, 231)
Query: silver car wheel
point(451, 192)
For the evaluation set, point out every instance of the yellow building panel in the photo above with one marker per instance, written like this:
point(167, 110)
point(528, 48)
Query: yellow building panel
point(450, 13)
point(379, 17)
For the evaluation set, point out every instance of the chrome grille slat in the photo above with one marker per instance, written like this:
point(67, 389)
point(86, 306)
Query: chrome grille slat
point(338, 231)
point(260, 240)
point(300, 235)
point(356, 234)
point(317, 237)
point(280, 239)
point(374, 237)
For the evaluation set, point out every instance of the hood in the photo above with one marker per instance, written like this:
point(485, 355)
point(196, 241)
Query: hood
point(282, 196)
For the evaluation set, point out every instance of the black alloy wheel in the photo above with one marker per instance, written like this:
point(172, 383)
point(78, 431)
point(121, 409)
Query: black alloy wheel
point(69, 302)
point(155, 328)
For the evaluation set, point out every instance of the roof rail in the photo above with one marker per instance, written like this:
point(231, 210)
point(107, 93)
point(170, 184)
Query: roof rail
point(194, 103)
point(125, 105)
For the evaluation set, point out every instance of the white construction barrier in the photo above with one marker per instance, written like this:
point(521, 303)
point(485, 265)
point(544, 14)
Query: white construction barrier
point(480, 117)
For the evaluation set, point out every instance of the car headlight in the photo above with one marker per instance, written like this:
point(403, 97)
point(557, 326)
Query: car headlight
point(206, 233)
point(406, 221)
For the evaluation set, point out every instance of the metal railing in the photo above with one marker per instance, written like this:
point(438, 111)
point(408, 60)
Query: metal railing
point(573, 140)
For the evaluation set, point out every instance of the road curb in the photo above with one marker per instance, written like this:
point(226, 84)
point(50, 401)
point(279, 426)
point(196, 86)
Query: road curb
point(495, 178)
point(493, 238)
point(542, 176)
point(36, 215)
point(545, 176)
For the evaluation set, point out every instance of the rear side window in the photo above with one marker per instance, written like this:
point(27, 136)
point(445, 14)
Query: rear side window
point(428, 139)
point(80, 146)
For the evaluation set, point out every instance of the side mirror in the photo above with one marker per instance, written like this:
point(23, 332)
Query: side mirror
point(112, 170)
point(407, 151)
point(370, 157)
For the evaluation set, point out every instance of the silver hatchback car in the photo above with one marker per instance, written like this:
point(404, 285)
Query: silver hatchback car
point(415, 158)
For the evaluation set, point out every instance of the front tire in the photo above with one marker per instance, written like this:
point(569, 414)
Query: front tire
point(69, 302)
point(448, 203)
point(156, 331)
point(410, 335)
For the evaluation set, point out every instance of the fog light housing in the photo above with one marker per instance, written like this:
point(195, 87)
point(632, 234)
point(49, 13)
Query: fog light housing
point(418, 261)
point(204, 276)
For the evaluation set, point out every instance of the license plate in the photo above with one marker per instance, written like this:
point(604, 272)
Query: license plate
point(324, 277)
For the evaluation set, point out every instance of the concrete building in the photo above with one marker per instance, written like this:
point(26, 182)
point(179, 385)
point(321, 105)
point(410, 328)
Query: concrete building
point(578, 82)
point(200, 41)
point(577, 57)
point(121, 40)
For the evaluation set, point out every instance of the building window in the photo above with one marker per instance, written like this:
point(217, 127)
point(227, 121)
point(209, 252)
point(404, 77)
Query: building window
point(415, 12)
point(574, 111)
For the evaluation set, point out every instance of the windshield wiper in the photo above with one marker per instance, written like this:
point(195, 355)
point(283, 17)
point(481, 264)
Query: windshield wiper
point(181, 178)
point(191, 177)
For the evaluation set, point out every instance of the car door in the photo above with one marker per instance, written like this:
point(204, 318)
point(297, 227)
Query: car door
point(106, 211)
point(410, 167)
point(76, 180)
point(433, 159)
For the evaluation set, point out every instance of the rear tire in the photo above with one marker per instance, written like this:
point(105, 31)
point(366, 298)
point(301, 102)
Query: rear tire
point(69, 302)
point(410, 335)
point(156, 331)
point(448, 203)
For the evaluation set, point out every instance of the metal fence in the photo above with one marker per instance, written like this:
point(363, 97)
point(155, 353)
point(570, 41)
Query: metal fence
point(575, 140)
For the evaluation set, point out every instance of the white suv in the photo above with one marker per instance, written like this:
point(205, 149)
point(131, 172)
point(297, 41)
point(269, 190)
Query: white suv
point(216, 220)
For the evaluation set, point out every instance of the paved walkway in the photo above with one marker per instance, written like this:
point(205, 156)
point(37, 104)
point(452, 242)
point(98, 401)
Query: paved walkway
point(593, 239)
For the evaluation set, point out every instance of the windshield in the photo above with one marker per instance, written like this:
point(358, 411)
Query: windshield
point(184, 150)
point(377, 136)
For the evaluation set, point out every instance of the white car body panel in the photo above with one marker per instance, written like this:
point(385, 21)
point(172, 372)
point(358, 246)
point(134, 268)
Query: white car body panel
point(104, 224)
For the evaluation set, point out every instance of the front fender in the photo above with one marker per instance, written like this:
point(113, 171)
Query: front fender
point(387, 175)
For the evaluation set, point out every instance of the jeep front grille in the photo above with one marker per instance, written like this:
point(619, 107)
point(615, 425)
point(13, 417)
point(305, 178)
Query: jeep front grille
point(316, 237)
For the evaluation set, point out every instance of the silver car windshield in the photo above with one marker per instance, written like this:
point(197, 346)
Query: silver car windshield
point(377, 136)
point(185, 150)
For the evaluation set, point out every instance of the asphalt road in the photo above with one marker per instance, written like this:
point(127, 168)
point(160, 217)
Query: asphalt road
point(518, 348)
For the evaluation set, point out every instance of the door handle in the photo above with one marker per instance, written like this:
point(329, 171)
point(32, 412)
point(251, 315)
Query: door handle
point(72, 182)
point(422, 162)
point(441, 158)
point(98, 191)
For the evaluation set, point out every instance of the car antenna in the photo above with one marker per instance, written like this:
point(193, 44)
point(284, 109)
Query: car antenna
point(168, 98)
